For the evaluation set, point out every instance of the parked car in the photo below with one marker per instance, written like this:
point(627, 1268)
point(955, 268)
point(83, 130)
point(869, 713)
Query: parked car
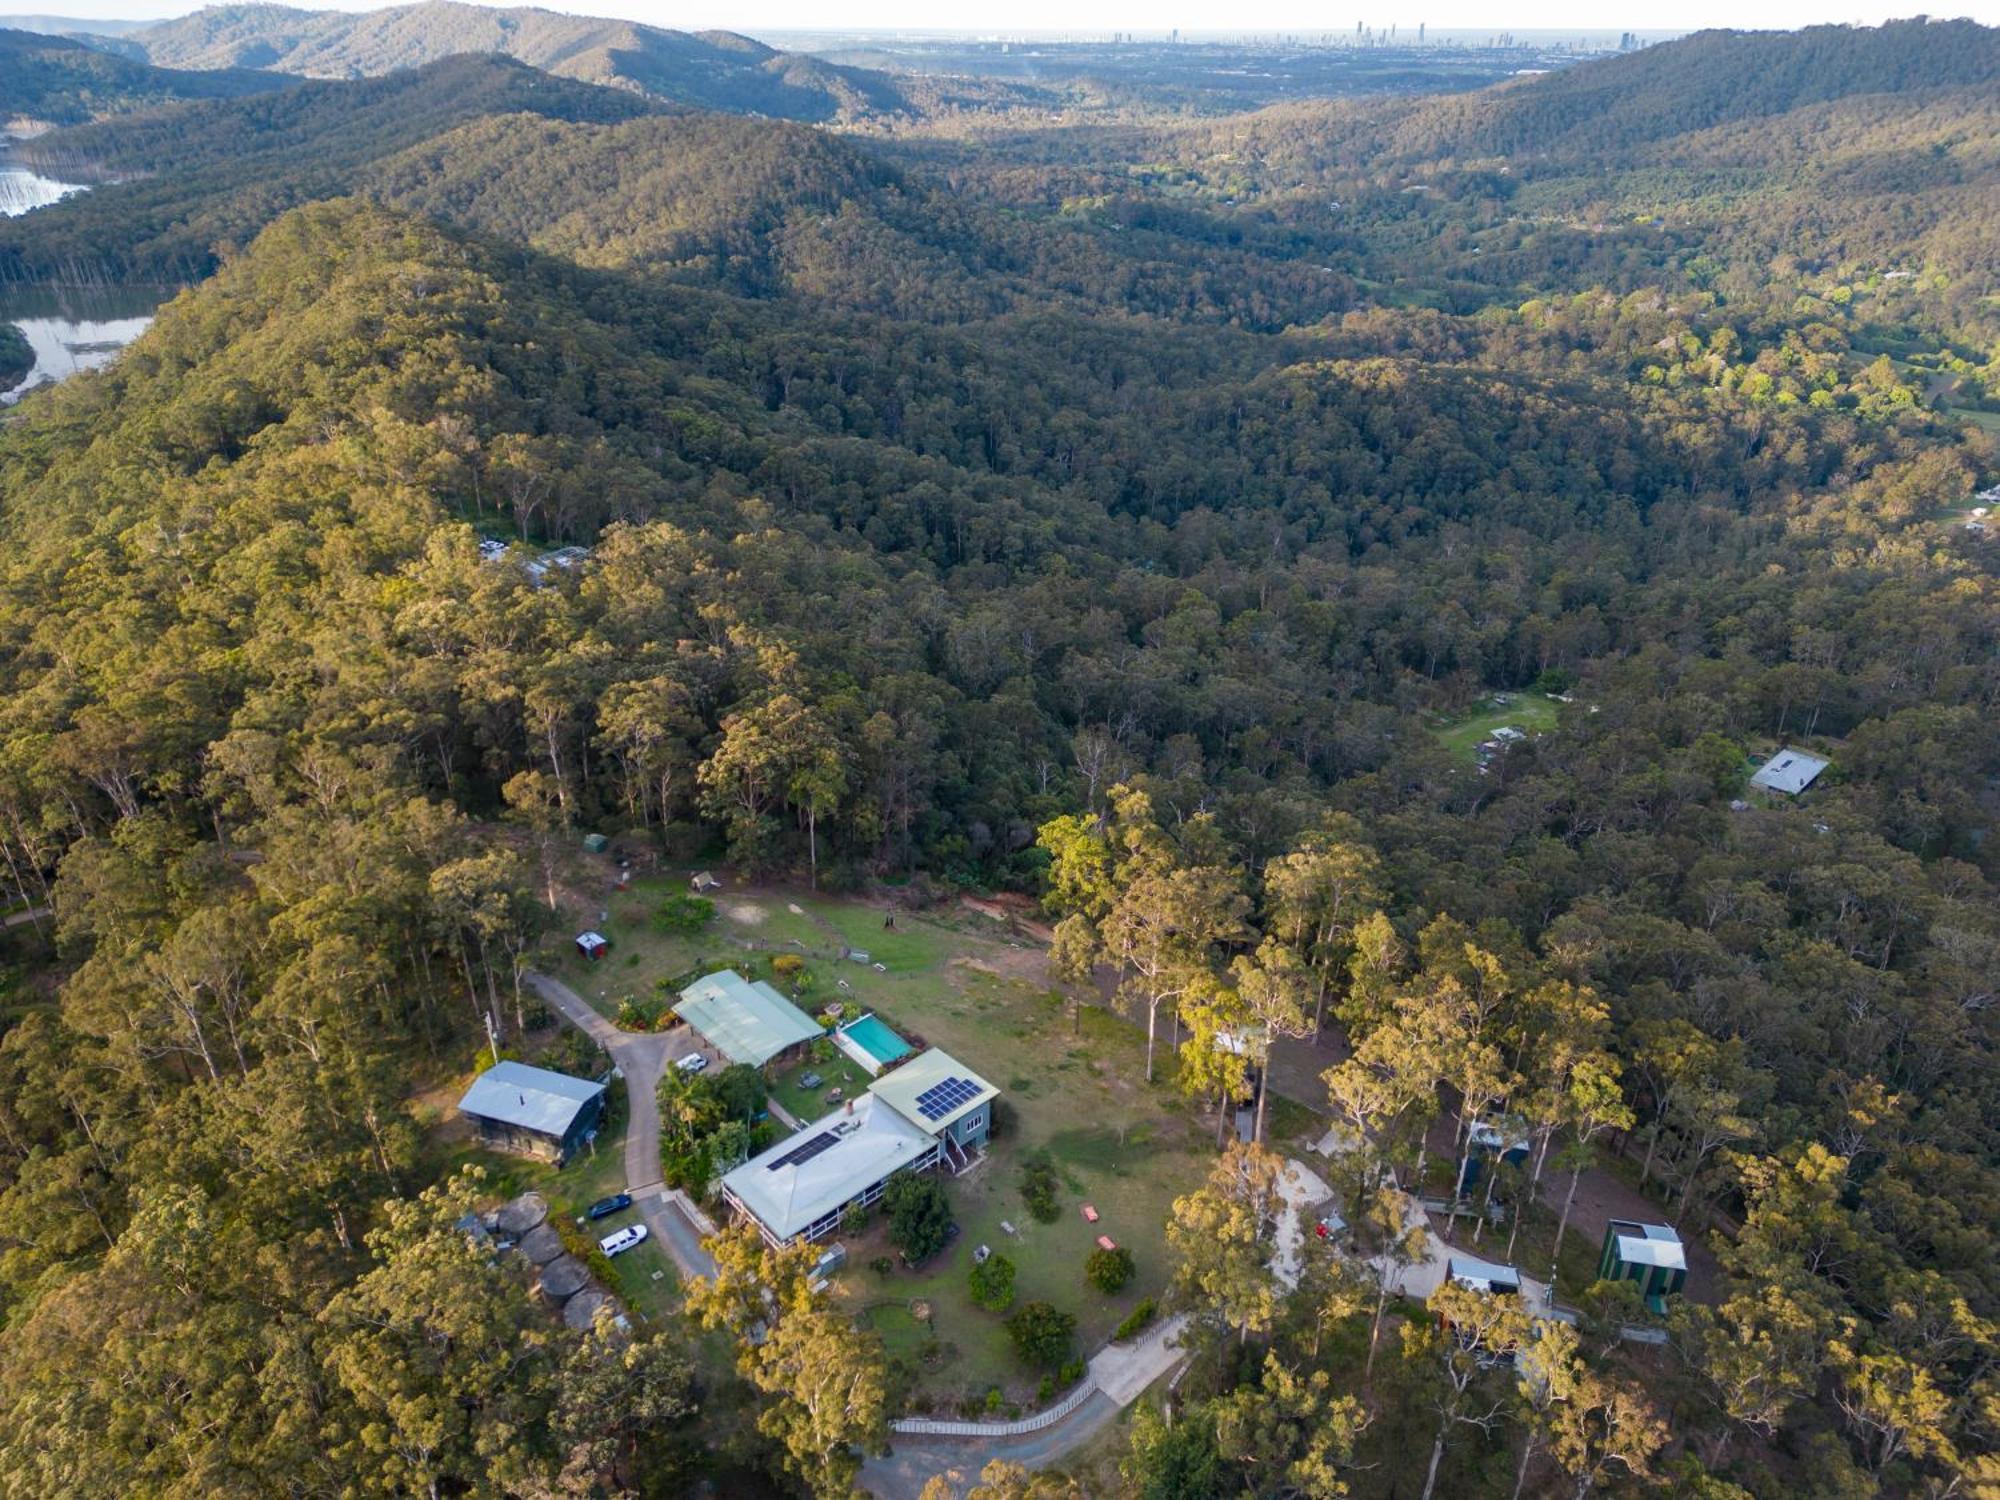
point(694, 1062)
point(604, 1208)
point(623, 1240)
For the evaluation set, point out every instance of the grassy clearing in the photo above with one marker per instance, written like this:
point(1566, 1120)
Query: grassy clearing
point(1531, 713)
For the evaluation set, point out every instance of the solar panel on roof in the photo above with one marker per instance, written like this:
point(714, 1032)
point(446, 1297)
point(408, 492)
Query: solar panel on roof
point(799, 1155)
point(941, 1098)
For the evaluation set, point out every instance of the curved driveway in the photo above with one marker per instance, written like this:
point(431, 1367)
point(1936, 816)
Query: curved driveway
point(641, 1056)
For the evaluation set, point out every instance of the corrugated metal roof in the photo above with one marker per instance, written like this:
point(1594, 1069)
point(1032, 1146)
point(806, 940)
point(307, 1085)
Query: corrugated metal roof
point(903, 1090)
point(1652, 1245)
point(529, 1098)
point(745, 1022)
point(808, 1175)
point(1789, 771)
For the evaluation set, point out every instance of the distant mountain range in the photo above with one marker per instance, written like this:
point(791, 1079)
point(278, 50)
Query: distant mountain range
point(709, 70)
point(58, 80)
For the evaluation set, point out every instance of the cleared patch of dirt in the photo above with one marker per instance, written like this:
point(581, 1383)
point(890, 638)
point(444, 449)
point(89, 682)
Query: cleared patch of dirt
point(1028, 965)
point(744, 913)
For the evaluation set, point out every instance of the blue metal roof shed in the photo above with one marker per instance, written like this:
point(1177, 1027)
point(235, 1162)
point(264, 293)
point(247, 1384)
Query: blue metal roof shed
point(533, 1109)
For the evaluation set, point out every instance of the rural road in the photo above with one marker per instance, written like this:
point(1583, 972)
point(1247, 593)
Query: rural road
point(641, 1056)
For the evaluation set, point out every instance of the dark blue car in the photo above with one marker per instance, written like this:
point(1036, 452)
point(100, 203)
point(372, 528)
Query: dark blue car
point(604, 1208)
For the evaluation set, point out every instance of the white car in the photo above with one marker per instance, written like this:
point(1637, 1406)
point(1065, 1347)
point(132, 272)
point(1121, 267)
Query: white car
point(623, 1240)
point(694, 1062)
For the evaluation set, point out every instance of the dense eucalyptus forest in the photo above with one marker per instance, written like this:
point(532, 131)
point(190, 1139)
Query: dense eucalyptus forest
point(993, 496)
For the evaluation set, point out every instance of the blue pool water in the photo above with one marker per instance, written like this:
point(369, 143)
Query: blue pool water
point(874, 1037)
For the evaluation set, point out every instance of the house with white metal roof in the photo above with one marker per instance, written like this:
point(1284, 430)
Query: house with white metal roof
point(932, 1111)
point(746, 1022)
point(1790, 771)
point(533, 1111)
point(1486, 1276)
point(802, 1186)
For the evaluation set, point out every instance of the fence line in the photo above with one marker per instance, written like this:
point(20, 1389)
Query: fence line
point(932, 1427)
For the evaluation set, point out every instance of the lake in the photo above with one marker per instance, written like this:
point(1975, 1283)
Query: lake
point(70, 329)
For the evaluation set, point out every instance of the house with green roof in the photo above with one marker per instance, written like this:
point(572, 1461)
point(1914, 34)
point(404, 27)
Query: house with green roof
point(944, 1098)
point(746, 1022)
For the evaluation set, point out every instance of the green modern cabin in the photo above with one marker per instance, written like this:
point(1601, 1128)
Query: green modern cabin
point(1648, 1255)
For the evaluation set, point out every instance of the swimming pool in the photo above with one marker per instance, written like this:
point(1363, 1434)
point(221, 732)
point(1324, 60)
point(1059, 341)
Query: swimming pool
point(870, 1042)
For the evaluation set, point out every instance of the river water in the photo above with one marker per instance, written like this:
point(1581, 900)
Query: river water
point(69, 329)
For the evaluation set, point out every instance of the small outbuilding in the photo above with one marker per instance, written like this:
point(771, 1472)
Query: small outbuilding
point(1649, 1255)
point(592, 945)
point(1790, 771)
point(704, 882)
point(1487, 1277)
point(532, 1111)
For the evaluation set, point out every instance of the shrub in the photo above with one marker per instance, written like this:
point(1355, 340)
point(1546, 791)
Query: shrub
point(1038, 1189)
point(788, 966)
point(1070, 1373)
point(881, 1265)
point(992, 1283)
point(635, 1014)
point(1042, 1335)
point(919, 1215)
point(1110, 1270)
point(1135, 1320)
point(683, 914)
point(1044, 1389)
point(854, 1218)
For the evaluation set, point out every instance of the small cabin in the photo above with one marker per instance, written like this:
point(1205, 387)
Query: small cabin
point(592, 945)
point(1650, 1256)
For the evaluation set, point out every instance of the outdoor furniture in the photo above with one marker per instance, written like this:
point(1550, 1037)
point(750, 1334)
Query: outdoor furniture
point(811, 1081)
point(980, 1255)
point(1007, 1227)
point(834, 1096)
point(1089, 1214)
point(1105, 1242)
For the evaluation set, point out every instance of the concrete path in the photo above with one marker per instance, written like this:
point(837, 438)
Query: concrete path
point(1119, 1373)
point(1302, 1190)
point(641, 1056)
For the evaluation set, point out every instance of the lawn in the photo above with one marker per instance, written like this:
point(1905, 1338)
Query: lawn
point(748, 931)
point(809, 1104)
point(1531, 713)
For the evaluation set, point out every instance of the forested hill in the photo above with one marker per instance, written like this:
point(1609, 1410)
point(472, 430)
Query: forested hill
point(60, 81)
point(1617, 109)
point(1698, 82)
point(214, 173)
point(711, 70)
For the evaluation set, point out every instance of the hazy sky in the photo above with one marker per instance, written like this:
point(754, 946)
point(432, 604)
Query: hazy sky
point(1158, 15)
